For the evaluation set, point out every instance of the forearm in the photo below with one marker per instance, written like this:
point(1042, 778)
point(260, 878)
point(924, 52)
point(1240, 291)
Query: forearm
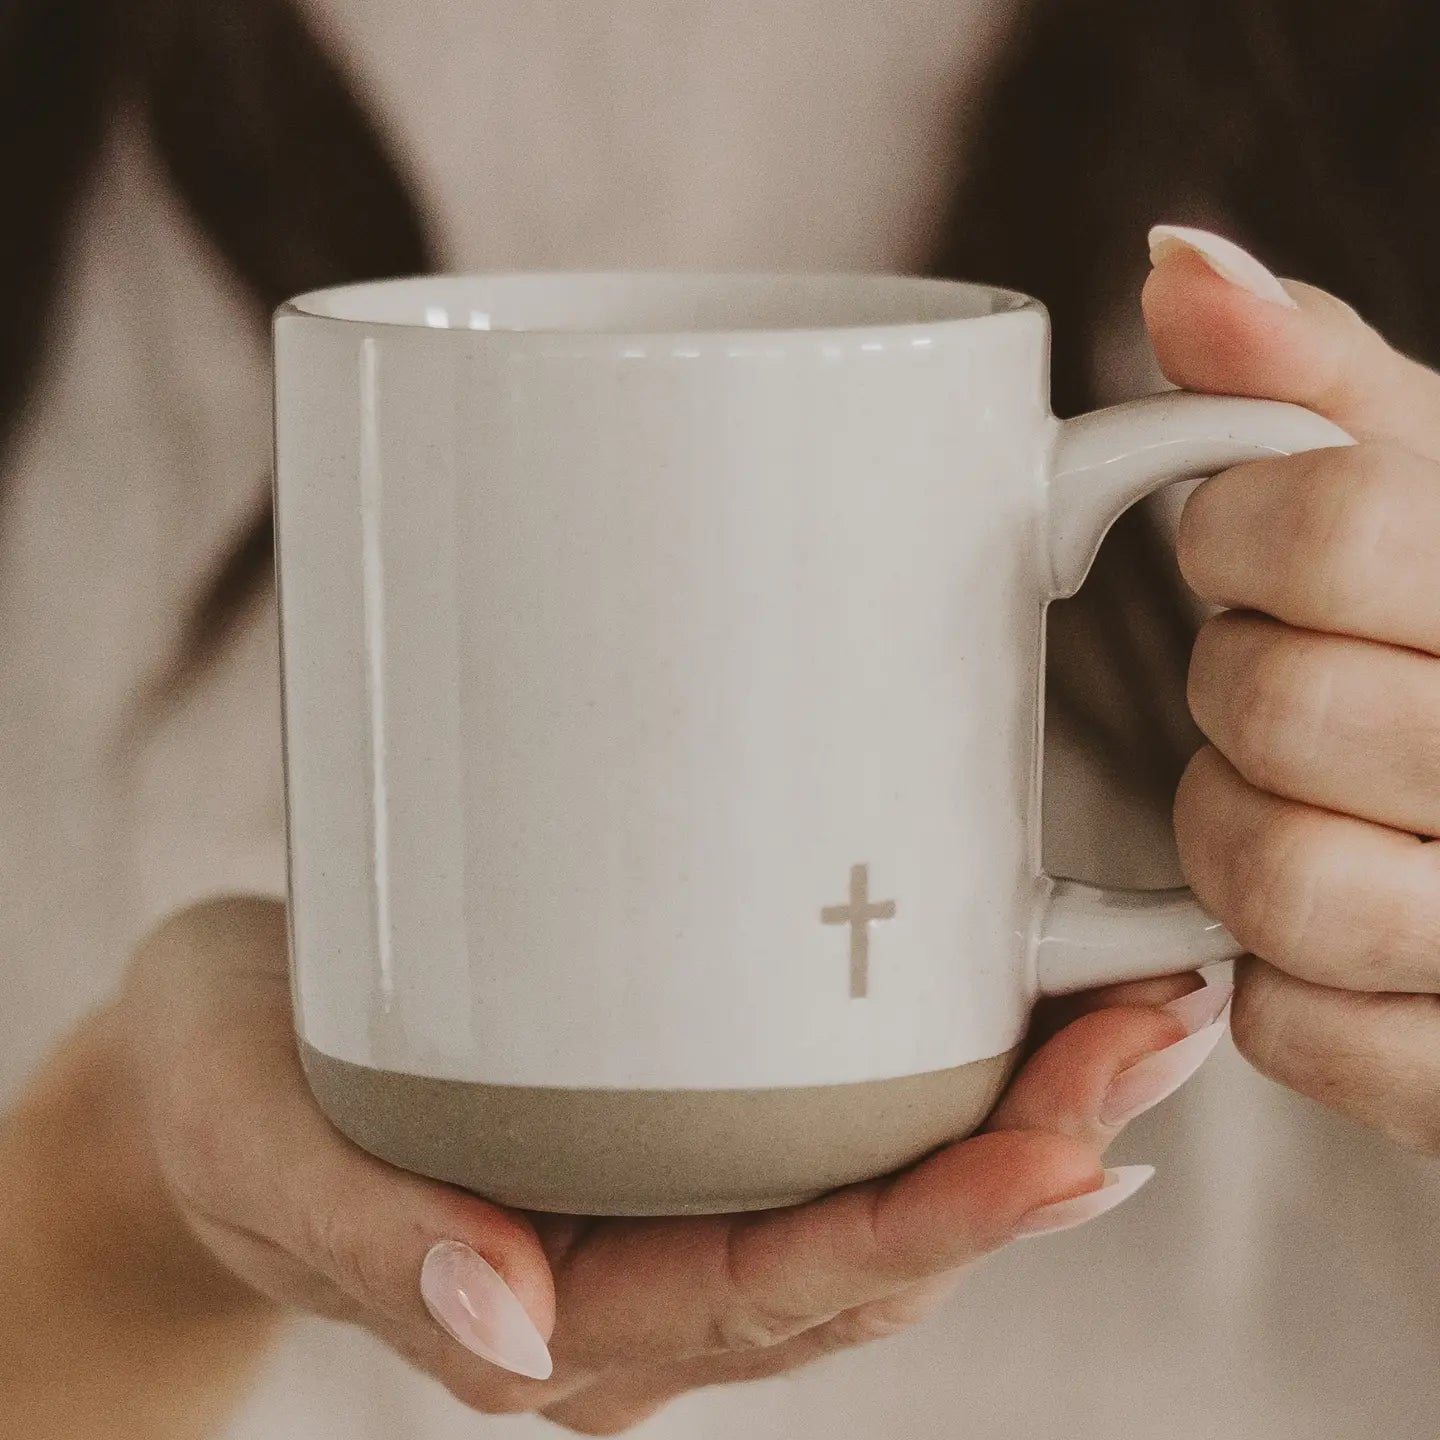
point(114, 1321)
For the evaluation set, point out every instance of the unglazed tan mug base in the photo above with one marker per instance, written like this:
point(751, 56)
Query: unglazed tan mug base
point(652, 1152)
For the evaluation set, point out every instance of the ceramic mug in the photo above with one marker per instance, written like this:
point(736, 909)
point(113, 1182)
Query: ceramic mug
point(662, 662)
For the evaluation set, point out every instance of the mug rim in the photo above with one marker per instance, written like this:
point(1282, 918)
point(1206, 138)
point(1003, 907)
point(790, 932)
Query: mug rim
point(956, 304)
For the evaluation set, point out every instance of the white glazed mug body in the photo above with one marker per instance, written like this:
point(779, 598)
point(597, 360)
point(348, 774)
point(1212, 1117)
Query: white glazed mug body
point(662, 689)
point(615, 660)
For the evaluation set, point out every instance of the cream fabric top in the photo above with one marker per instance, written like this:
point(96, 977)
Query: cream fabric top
point(1278, 1279)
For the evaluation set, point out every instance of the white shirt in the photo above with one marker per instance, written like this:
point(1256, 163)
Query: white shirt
point(1277, 1280)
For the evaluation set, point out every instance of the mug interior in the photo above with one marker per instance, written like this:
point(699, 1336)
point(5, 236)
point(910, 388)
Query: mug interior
point(622, 303)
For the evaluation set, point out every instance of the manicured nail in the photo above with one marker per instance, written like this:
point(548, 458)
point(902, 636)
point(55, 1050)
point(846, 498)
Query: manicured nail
point(468, 1298)
point(1202, 1007)
point(1155, 1078)
point(1224, 257)
point(1119, 1185)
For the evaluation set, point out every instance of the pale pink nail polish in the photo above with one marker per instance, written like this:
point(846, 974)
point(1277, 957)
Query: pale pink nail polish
point(1201, 1008)
point(1119, 1185)
point(466, 1296)
point(1149, 1081)
point(1224, 257)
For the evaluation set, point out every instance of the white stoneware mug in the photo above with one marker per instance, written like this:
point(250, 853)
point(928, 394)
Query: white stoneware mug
point(663, 667)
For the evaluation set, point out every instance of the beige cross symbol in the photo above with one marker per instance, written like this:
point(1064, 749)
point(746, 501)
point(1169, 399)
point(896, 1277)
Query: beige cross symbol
point(858, 914)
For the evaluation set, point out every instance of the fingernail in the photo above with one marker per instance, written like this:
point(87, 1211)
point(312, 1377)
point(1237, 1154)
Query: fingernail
point(1119, 1185)
point(468, 1298)
point(1224, 257)
point(1202, 1007)
point(1149, 1081)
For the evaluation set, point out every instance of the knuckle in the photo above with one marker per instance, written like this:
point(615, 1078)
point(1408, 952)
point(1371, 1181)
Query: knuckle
point(1401, 940)
point(1359, 1071)
point(1268, 1030)
point(1189, 810)
point(1343, 519)
point(753, 1326)
point(1409, 738)
point(744, 1320)
point(1204, 854)
point(1199, 548)
point(1211, 836)
point(879, 1320)
point(1204, 686)
point(1267, 1027)
point(1278, 868)
point(1254, 1022)
point(334, 1245)
point(1279, 707)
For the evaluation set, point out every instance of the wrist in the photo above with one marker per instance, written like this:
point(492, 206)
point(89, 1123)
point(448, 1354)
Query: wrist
point(115, 1322)
point(87, 1201)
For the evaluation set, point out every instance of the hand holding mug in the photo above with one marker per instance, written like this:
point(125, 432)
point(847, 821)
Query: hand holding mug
point(238, 1176)
point(1304, 824)
point(637, 1311)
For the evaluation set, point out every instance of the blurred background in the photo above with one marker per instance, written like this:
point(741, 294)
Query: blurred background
point(174, 169)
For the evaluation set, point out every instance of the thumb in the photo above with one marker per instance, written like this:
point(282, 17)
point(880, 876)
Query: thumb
point(1221, 323)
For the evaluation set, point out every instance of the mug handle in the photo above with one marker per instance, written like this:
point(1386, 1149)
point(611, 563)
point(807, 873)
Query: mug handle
point(1102, 463)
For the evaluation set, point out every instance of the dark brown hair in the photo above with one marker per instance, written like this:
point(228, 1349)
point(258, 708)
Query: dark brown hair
point(1310, 129)
point(1307, 126)
point(265, 143)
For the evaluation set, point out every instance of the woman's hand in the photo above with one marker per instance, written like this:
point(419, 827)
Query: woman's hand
point(236, 1165)
point(1304, 824)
